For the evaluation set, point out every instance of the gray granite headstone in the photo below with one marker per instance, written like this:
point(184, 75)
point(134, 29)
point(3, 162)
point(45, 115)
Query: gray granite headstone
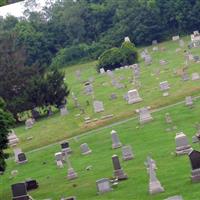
point(127, 153)
point(103, 185)
point(98, 106)
point(195, 164)
point(115, 140)
point(133, 96)
point(85, 150)
point(144, 115)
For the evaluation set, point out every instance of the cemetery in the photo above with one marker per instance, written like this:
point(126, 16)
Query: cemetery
point(118, 137)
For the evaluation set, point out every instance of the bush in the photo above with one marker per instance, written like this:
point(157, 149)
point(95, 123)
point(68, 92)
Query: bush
point(117, 57)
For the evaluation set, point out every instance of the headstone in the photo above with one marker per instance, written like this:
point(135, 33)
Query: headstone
point(148, 60)
point(59, 159)
point(102, 71)
point(196, 58)
point(13, 140)
point(181, 43)
point(88, 88)
point(29, 123)
point(118, 171)
point(154, 42)
point(182, 145)
point(195, 76)
point(65, 147)
point(19, 192)
point(31, 184)
point(103, 185)
point(85, 150)
point(115, 140)
point(98, 106)
point(17, 151)
point(194, 157)
point(63, 111)
point(133, 96)
point(113, 96)
point(127, 39)
point(136, 70)
point(164, 86)
point(22, 158)
point(175, 38)
point(188, 101)
point(154, 184)
point(175, 198)
point(127, 153)
point(144, 115)
point(185, 76)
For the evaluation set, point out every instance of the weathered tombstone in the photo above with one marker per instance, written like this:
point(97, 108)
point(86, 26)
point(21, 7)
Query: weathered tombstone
point(22, 158)
point(65, 147)
point(63, 111)
point(168, 118)
point(29, 123)
point(127, 153)
point(59, 159)
point(164, 86)
point(98, 106)
point(154, 184)
point(185, 76)
point(188, 101)
point(175, 38)
point(118, 171)
point(194, 157)
point(88, 88)
point(196, 58)
point(148, 60)
point(31, 184)
point(133, 96)
point(19, 192)
point(195, 76)
point(13, 140)
point(115, 140)
point(181, 43)
point(149, 162)
point(85, 150)
point(175, 198)
point(154, 42)
point(102, 71)
point(182, 145)
point(75, 100)
point(113, 96)
point(103, 185)
point(144, 115)
point(136, 70)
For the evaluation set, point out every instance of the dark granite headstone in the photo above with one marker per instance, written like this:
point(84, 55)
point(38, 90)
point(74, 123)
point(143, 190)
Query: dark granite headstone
point(31, 184)
point(22, 157)
point(195, 159)
point(116, 163)
point(18, 190)
point(64, 145)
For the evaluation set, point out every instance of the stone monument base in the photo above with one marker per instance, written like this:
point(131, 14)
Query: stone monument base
point(155, 187)
point(71, 174)
point(120, 175)
point(195, 175)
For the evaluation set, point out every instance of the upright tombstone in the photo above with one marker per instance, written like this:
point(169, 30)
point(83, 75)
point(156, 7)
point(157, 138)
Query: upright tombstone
point(185, 76)
point(195, 76)
point(118, 170)
point(17, 151)
point(115, 140)
point(103, 186)
point(181, 43)
point(182, 145)
point(19, 192)
point(29, 123)
point(65, 147)
point(22, 158)
point(13, 140)
point(188, 101)
point(154, 184)
point(127, 153)
point(148, 60)
point(102, 71)
point(31, 184)
point(63, 111)
point(194, 157)
point(85, 150)
point(136, 70)
point(175, 38)
point(88, 88)
point(144, 115)
point(59, 159)
point(98, 106)
point(133, 96)
point(164, 86)
point(175, 198)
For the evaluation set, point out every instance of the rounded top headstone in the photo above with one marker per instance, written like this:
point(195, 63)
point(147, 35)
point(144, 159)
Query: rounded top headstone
point(113, 131)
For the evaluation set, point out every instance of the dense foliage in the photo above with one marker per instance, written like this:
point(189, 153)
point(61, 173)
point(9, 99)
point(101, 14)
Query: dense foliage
point(6, 121)
point(27, 87)
point(69, 30)
point(117, 57)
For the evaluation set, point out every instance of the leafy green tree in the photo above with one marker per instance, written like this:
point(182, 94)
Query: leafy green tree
point(6, 121)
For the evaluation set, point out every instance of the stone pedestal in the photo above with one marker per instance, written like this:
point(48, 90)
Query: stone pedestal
point(120, 175)
point(71, 174)
point(183, 150)
point(195, 175)
point(155, 187)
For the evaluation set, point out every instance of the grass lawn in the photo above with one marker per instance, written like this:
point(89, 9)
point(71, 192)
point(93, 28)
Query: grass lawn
point(150, 139)
point(57, 128)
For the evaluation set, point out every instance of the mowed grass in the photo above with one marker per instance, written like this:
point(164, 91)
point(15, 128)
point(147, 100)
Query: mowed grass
point(57, 128)
point(151, 139)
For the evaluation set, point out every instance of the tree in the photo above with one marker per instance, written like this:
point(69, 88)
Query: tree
point(6, 121)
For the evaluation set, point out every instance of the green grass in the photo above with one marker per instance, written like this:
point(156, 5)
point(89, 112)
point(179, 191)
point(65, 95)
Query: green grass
point(150, 139)
point(57, 128)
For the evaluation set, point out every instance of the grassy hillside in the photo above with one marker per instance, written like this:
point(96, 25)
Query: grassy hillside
point(57, 128)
